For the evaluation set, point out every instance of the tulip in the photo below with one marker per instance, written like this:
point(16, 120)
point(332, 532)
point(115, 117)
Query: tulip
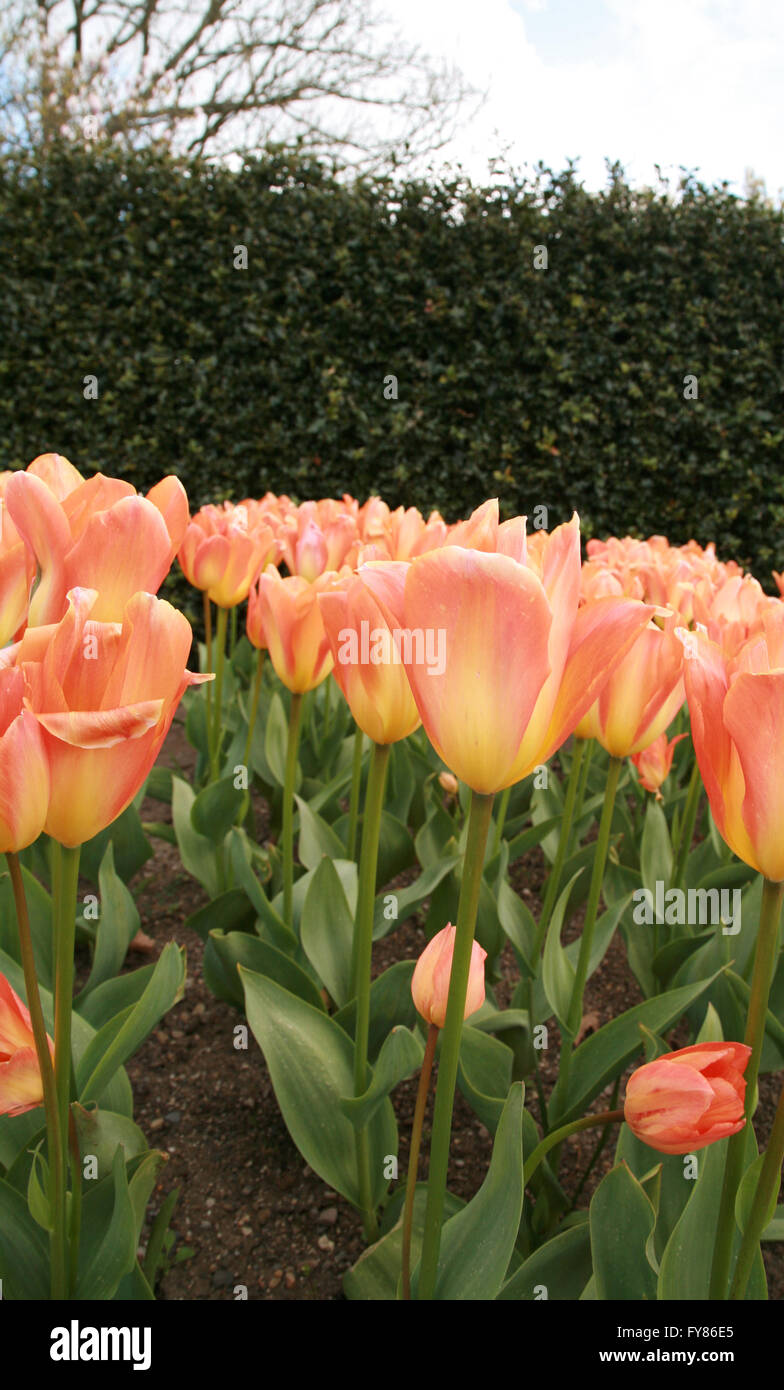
point(100, 534)
point(24, 768)
point(687, 1099)
point(21, 1087)
point(222, 551)
point(377, 690)
point(642, 695)
point(653, 763)
point(17, 572)
point(103, 696)
point(523, 664)
point(430, 981)
point(285, 614)
point(448, 783)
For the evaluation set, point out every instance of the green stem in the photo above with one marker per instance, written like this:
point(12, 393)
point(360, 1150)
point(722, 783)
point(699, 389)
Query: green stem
point(686, 832)
point(602, 1140)
point(362, 957)
point(413, 1160)
point(65, 881)
point(254, 709)
point(478, 827)
point(564, 834)
point(503, 807)
point(295, 720)
point(220, 661)
point(76, 1200)
point(233, 630)
point(765, 960)
point(59, 1283)
point(557, 1136)
point(208, 667)
point(764, 1197)
point(327, 703)
point(575, 1011)
point(356, 782)
point(590, 744)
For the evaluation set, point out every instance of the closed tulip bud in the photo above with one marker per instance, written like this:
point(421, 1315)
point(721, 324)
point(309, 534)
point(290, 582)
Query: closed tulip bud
point(430, 981)
point(21, 1087)
point(448, 782)
point(653, 762)
point(689, 1098)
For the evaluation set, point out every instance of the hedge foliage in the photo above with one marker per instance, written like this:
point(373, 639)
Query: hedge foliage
point(564, 386)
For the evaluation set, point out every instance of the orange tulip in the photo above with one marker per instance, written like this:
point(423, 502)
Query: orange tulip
point(17, 572)
point(103, 696)
point(223, 550)
point(100, 534)
point(21, 1087)
point(24, 768)
point(642, 695)
point(430, 981)
point(284, 615)
point(737, 723)
point(367, 662)
point(522, 664)
point(653, 762)
point(690, 1098)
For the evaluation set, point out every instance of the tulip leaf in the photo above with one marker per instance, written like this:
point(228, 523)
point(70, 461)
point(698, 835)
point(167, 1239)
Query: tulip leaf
point(226, 950)
point(558, 972)
point(276, 739)
point(39, 909)
point(477, 1244)
point(484, 1074)
point(606, 1053)
point(558, 1270)
point(391, 1005)
point(656, 848)
point(433, 837)
point(107, 1249)
point(327, 932)
point(118, 924)
point(393, 909)
point(24, 1249)
point(775, 1227)
point(111, 1047)
point(131, 846)
point(100, 1132)
point(622, 1219)
point(376, 1274)
point(747, 1191)
point(602, 936)
point(518, 924)
point(38, 1201)
point(215, 809)
point(113, 996)
point(528, 839)
point(311, 1064)
point(401, 1054)
point(316, 839)
point(230, 912)
point(395, 849)
point(196, 851)
point(675, 1189)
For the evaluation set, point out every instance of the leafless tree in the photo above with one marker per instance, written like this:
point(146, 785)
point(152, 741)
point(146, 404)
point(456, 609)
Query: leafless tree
point(220, 77)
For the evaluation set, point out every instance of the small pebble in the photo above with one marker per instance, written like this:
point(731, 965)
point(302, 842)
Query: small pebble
point(329, 1216)
point(324, 1243)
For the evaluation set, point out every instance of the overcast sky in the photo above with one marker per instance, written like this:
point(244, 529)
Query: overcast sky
point(698, 83)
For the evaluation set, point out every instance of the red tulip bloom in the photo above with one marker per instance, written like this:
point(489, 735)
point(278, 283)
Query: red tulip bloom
point(690, 1098)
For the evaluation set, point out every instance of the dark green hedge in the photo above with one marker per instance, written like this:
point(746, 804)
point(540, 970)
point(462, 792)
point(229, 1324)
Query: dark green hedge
point(562, 386)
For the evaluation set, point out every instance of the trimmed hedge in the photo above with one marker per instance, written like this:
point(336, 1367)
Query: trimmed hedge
point(561, 386)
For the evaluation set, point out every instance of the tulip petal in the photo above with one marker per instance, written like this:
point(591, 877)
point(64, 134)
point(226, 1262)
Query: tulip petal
point(21, 1087)
point(41, 521)
point(754, 719)
point(122, 550)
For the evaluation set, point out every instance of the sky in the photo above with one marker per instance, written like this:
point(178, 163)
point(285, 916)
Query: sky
point(698, 83)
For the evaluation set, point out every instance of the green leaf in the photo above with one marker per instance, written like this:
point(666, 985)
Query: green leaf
point(622, 1219)
point(316, 838)
point(391, 1005)
point(196, 851)
point(130, 844)
point(117, 925)
point(101, 1132)
point(401, 1054)
point(39, 908)
point(230, 912)
point(327, 932)
point(477, 1243)
point(747, 1191)
point(225, 951)
point(107, 1250)
point(118, 1040)
point(484, 1075)
point(558, 973)
point(276, 739)
point(656, 848)
point(376, 1274)
point(409, 900)
point(24, 1249)
point(38, 1201)
point(562, 1267)
point(311, 1064)
point(215, 809)
point(775, 1228)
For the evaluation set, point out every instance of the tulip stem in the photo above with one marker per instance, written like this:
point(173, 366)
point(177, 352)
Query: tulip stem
point(65, 880)
point(765, 961)
point(220, 661)
point(557, 1136)
point(503, 807)
point(575, 1011)
point(295, 721)
point(76, 1200)
point(59, 1284)
point(208, 667)
point(764, 1197)
point(413, 1158)
point(362, 958)
point(254, 709)
point(564, 836)
point(479, 819)
point(588, 746)
point(356, 782)
point(686, 830)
